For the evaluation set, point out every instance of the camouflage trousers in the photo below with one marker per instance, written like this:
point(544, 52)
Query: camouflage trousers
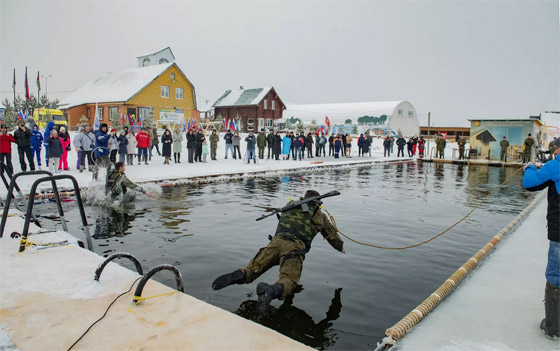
point(213, 151)
point(272, 255)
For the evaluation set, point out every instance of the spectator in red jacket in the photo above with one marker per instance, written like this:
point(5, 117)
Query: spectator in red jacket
point(6, 147)
point(143, 140)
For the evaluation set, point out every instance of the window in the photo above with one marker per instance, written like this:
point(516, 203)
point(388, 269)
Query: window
point(265, 104)
point(272, 104)
point(179, 93)
point(146, 62)
point(410, 114)
point(113, 111)
point(250, 121)
point(164, 91)
point(400, 111)
point(145, 112)
point(269, 123)
point(261, 123)
point(163, 60)
point(100, 113)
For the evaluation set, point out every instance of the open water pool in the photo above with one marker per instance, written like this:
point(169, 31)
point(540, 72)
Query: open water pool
point(345, 301)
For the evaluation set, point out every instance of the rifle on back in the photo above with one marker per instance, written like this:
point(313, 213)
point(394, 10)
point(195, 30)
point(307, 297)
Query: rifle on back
point(296, 204)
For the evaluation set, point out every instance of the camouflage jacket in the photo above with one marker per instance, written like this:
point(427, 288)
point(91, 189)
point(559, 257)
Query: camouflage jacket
point(118, 183)
point(504, 144)
point(214, 139)
point(297, 224)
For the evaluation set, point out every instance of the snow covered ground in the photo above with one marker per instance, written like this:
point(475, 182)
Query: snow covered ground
point(499, 306)
point(157, 171)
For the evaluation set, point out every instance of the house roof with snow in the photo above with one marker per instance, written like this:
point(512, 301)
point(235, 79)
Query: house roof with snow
point(115, 86)
point(242, 97)
point(154, 52)
point(338, 113)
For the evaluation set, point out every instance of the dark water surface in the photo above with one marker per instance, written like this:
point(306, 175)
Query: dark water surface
point(346, 301)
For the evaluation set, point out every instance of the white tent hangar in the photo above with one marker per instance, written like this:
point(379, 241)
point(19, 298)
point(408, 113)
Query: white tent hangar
point(381, 117)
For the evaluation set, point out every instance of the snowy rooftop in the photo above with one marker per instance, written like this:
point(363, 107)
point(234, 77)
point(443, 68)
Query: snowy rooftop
point(115, 86)
point(153, 52)
point(242, 97)
point(338, 113)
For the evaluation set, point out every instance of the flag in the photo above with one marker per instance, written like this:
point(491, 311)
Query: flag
point(122, 119)
point(21, 116)
point(26, 85)
point(128, 120)
point(38, 82)
point(96, 120)
point(14, 82)
point(226, 125)
point(327, 122)
point(232, 124)
point(195, 127)
point(184, 125)
point(140, 121)
point(189, 124)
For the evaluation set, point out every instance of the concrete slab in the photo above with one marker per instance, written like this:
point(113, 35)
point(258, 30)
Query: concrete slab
point(48, 298)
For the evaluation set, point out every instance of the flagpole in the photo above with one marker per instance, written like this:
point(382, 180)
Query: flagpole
point(14, 87)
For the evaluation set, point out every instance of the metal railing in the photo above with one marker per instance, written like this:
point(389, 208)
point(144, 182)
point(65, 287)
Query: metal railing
point(10, 195)
point(53, 180)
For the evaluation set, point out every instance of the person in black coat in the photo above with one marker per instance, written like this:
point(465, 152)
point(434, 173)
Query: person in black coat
point(400, 144)
point(270, 138)
point(199, 140)
point(54, 151)
point(277, 146)
point(23, 140)
point(386, 147)
point(191, 145)
point(409, 144)
point(166, 141)
point(331, 145)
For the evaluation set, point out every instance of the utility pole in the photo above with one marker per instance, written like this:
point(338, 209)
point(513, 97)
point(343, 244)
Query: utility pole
point(47, 85)
point(428, 141)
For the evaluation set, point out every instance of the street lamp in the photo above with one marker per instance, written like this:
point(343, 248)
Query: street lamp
point(46, 86)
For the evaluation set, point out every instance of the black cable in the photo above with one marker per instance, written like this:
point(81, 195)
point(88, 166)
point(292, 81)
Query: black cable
point(104, 314)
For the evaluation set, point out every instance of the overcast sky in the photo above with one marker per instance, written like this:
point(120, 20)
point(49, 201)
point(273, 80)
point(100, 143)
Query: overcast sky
point(457, 59)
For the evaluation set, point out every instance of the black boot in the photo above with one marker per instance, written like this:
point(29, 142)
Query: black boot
point(175, 157)
point(179, 158)
point(266, 294)
point(550, 325)
point(235, 277)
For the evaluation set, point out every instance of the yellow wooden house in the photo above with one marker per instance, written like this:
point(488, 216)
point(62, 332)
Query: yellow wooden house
point(160, 90)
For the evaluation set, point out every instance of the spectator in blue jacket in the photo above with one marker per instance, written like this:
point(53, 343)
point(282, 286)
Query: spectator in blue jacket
point(538, 179)
point(36, 142)
point(47, 134)
point(251, 141)
point(101, 150)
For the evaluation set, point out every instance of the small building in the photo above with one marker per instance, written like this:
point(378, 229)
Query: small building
point(486, 135)
point(376, 118)
point(161, 91)
point(252, 109)
point(451, 133)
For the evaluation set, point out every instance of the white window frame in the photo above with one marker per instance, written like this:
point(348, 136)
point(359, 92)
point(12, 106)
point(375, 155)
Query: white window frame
point(165, 91)
point(265, 104)
point(100, 113)
point(113, 109)
point(269, 123)
point(250, 121)
point(179, 93)
point(261, 123)
point(400, 112)
point(272, 104)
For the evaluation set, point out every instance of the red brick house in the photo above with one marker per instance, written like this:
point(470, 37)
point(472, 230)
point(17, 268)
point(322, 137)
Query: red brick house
point(252, 109)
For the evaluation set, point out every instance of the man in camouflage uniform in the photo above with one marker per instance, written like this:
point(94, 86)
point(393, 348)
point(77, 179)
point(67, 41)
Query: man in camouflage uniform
point(440, 146)
point(527, 146)
point(261, 143)
point(214, 139)
point(461, 144)
point(504, 144)
point(117, 184)
point(294, 234)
